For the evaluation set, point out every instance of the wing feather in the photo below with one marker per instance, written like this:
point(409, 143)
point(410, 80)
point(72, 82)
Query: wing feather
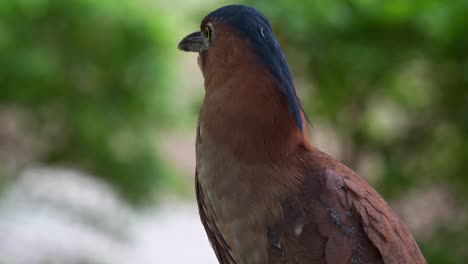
point(342, 220)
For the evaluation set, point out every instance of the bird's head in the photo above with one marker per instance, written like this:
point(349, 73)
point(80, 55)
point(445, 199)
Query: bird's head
point(238, 36)
point(218, 27)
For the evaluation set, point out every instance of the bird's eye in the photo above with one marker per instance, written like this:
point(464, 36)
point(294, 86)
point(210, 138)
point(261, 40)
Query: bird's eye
point(208, 32)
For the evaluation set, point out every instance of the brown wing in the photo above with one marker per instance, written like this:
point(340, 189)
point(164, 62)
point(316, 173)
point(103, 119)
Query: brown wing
point(383, 227)
point(338, 218)
point(220, 247)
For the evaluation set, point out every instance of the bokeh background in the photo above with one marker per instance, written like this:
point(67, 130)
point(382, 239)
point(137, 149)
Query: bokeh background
point(98, 115)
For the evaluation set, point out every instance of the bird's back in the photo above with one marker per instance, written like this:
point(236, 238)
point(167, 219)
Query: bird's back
point(336, 217)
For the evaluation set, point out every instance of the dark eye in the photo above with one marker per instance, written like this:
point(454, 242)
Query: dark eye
point(207, 32)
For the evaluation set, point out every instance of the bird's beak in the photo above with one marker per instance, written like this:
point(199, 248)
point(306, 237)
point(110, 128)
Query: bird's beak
point(195, 42)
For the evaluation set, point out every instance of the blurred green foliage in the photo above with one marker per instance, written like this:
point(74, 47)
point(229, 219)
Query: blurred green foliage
point(392, 78)
point(96, 73)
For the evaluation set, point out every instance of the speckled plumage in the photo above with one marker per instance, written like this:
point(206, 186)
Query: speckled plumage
point(266, 195)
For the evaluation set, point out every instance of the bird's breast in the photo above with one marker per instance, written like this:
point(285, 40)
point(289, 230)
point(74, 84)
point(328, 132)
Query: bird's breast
point(241, 198)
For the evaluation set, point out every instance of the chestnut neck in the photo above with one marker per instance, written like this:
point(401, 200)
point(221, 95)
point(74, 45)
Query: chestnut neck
point(244, 109)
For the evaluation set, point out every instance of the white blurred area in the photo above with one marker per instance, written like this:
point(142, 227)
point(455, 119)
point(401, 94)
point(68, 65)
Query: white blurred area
point(61, 216)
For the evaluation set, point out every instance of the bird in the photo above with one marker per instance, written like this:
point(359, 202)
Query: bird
point(265, 194)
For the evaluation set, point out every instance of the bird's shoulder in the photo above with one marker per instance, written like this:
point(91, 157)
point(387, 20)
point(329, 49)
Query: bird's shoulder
point(337, 217)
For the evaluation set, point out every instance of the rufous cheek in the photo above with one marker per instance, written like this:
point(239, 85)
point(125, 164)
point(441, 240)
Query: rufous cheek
point(199, 62)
